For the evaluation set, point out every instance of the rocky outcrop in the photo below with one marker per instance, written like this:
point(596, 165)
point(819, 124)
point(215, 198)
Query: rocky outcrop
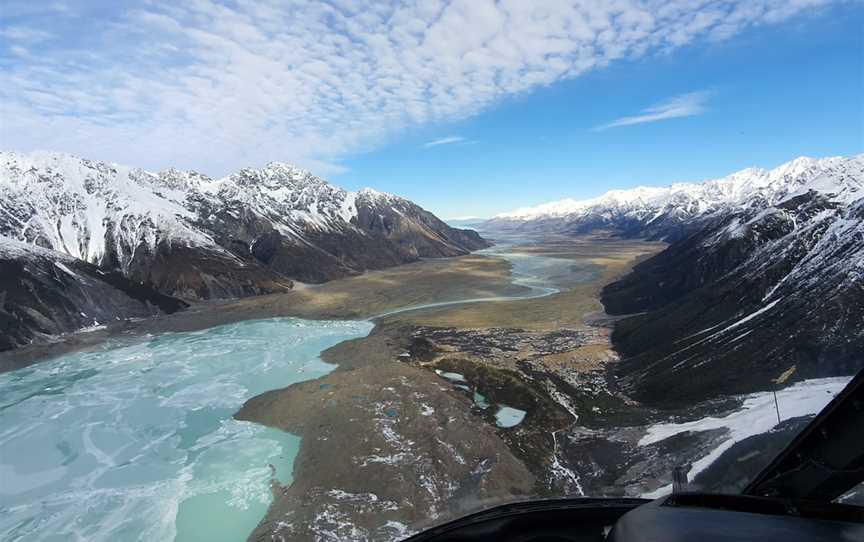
point(44, 293)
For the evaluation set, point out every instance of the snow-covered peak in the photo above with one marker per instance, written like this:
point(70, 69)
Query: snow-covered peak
point(44, 159)
point(558, 208)
point(103, 212)
point(81, 207)
point(374, 196)
point(274, 177)
point(177, 179)
point(285, 167)
point(279, 188)
point(370, 192)
point(839, 177)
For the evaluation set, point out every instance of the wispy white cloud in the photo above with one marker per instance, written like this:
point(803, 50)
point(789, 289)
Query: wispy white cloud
point(449, 140)
point(17, 50)
point(215, 86)
point(683, 105)
point(24, 34)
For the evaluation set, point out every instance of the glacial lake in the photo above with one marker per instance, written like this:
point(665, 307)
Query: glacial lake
point(139, 443)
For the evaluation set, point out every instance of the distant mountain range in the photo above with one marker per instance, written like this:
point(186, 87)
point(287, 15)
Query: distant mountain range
point(764, 272)
point(668, 212)
point(183, 234)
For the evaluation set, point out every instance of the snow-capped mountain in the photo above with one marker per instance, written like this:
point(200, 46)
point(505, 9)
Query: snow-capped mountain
point(196, 237)
point(757, 288)
point(661, 212)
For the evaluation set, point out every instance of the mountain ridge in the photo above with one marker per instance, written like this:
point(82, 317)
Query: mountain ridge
point(87, 243)
point(659, 212)
point(262, 227)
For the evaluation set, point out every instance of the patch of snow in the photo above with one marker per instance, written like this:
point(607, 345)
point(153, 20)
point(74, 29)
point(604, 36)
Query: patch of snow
point(348, 208)
point(451, 450)
point(563, 400)
point(400, 530)
point(62, 267)
point(453, 377)
point(563, 473)
point(394, 459)
point(749, 317)
point(757, 415)
point(96, 326)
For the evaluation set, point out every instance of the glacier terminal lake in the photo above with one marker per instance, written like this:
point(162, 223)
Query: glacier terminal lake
point(137, 442)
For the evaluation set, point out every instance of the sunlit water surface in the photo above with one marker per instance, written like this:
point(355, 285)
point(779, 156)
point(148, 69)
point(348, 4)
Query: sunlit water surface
point(540, 275)
point(138, 442)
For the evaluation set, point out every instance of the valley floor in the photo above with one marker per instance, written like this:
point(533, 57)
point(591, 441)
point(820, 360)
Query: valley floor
point(364, 296)
point(445, 409)
point(358, 297)
point(416, 425)
point(408, 432)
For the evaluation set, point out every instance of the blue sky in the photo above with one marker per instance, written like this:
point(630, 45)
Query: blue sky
point(772, 94)
point(469, 108)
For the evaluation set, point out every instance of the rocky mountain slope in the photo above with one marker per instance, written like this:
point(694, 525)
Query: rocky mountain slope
point(45, 293)
point(753, 294)
point(764, 272)
point(196, 237)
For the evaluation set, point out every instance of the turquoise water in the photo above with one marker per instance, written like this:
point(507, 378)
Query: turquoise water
point(138, 442)
point(505, 416)
point(509, 416)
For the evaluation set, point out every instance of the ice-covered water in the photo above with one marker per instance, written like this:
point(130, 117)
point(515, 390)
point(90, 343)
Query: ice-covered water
point(138, 442)
point(509, 416)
